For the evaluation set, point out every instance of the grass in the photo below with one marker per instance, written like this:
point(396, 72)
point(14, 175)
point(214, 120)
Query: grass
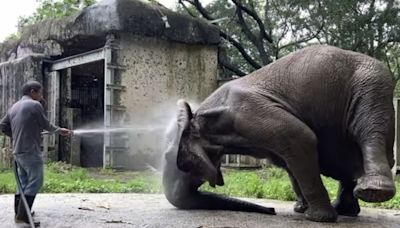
point(271, 183)
point(274, 183)
point(63, 178)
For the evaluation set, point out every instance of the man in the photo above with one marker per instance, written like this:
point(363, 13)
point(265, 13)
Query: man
point(24, 123)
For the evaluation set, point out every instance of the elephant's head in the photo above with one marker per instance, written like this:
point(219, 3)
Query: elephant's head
point(195, 154)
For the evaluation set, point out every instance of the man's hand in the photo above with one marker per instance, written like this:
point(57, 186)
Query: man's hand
point(65, 132)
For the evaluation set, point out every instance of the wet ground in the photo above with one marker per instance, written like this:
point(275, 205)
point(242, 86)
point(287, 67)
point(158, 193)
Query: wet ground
point(153, 210)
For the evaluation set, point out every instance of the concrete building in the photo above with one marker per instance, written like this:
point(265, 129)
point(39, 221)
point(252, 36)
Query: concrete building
point(115, 64)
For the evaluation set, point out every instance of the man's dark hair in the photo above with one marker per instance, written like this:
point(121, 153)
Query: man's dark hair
point(31, 85)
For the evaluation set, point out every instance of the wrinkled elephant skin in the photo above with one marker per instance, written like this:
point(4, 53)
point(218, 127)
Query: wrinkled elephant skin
point(320, 110)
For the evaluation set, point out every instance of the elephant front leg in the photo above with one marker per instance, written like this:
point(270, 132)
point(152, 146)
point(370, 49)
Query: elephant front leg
point(346, 204)
point(373, 128)
point(305, 169)
point(292, 140)
point(376, 185)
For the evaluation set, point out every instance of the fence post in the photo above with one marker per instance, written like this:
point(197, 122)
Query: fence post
point(396, 149)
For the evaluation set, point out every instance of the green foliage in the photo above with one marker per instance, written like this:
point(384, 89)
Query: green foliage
point(61, 177)
point(13, 37)
point(54, 9)
point(366, 26)
point(49, 9)
point(369, 27)
point(65, 178)
point(274, 183)
point(7, 182)
point(270, 183)
point(331, 186)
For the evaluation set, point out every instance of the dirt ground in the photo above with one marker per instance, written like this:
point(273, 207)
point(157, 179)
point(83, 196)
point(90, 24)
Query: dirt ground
point(153, 210)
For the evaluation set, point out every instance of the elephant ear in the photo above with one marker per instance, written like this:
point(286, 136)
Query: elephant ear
point(191, 156)
point(184, 115)
point(217, 118)
point(214, 112)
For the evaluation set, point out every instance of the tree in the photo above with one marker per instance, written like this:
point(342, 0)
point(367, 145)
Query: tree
point(371, 27)
point(262, 31)
point(54, 9)
point(254, 32)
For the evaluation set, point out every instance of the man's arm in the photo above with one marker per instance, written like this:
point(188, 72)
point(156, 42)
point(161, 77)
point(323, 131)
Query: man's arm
point(42, 119)
point(45, 123)
point(5, 125)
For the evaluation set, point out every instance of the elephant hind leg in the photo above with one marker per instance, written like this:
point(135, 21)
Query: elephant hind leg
point(301, 204)
point(346, 204)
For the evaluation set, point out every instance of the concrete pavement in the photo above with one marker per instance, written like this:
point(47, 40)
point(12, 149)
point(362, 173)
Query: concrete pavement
point(154, 211)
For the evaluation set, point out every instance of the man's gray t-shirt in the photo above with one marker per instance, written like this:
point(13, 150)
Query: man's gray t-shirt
point(25, 122)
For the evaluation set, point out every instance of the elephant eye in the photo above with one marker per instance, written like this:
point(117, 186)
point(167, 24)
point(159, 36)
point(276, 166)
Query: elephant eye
point(195, 134)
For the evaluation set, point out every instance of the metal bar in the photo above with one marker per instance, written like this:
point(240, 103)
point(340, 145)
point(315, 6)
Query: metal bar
point(55, 104)
point(115, 86)
point(396, 147)
point(46, 147)
point(76, 60)
point(108, 79)
point(115, 108)
point(117, 67)
point(118, 148)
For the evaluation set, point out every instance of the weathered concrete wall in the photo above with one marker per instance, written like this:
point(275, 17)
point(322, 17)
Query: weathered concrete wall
point(13, 74)
point(158, 73)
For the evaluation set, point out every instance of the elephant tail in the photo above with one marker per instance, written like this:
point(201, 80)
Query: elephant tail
point(211, 201)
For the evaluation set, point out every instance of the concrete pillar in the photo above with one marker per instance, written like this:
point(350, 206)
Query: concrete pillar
point(396, 147)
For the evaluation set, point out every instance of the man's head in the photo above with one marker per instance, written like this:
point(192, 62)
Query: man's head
point(33, 89)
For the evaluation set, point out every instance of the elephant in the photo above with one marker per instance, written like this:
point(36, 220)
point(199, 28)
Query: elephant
point(319, 110)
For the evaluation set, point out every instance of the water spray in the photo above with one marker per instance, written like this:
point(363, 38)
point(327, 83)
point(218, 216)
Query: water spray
point(111, 130)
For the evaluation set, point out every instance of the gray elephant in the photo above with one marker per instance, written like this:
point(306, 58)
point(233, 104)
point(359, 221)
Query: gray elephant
point(320, 110)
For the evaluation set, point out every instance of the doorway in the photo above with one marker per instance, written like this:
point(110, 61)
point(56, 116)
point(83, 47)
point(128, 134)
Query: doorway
point(77, 101)
point(82, 91)
point(87, 101)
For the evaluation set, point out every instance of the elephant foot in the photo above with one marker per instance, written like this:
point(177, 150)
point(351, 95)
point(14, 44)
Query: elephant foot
point(328, 214)
point(375, 188)
point(347, 208)
point(300, 206)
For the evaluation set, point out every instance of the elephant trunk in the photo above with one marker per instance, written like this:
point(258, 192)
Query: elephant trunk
point(180, 189)
point(211, 201)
